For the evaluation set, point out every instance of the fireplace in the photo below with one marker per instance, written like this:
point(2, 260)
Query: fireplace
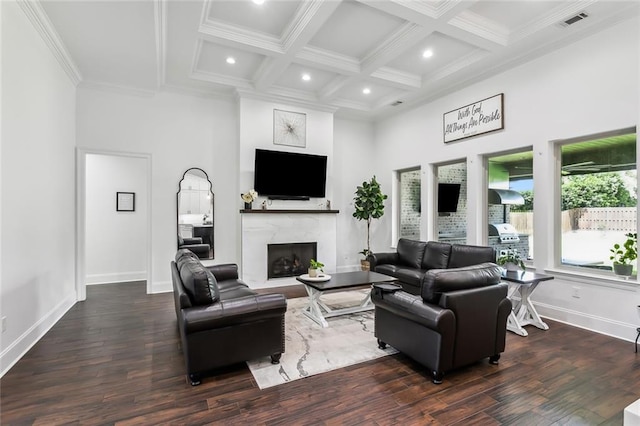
point(289, 259)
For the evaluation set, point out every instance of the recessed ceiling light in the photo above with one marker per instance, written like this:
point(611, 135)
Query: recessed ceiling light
point(306, 77)
point(258, 1)
point(366, 90)
point(427, 53)
point(231, 60)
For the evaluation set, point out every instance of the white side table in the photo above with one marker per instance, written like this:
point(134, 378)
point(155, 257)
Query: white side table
point(632, 414)
point(523, 313)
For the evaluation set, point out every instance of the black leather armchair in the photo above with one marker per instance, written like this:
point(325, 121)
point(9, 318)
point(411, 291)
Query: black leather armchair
point(459, 317)
point(220, 319)
point(195, 245)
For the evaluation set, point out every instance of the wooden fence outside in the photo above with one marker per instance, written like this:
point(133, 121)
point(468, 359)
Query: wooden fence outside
point(592, 218)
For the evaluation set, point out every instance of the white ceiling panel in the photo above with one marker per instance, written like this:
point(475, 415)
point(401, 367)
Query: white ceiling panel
point(344, 45)
point(355, 29)
point(271, 17)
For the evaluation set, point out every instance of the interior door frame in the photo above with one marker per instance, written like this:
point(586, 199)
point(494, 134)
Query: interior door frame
point(81, 211)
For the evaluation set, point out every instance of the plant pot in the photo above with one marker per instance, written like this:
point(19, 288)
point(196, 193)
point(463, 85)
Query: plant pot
point(624, 270)
point(313, 273)
point(365, 265)
point(510, 266)
point(247, 206)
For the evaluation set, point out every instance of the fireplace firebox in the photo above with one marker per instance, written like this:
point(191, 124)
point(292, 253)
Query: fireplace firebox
point(289, 259)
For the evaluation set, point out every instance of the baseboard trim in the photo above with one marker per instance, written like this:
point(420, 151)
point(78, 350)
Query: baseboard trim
point(116, 277)
point(16, 350)
point(161, 287)
point(617, 329)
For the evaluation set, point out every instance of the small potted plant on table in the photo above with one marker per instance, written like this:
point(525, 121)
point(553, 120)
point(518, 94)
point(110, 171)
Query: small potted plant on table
point(314, 267)
point(623, 255)
point(511, 260)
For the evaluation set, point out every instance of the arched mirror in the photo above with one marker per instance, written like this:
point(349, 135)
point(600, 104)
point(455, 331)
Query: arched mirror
point(195, 213)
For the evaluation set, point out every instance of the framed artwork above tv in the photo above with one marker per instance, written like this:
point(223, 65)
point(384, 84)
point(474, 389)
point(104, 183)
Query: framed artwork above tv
point(289, 128)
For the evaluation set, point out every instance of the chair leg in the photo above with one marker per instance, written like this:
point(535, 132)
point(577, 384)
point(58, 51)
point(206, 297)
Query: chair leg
point(493, 359)
point(638, 335)
point(194, 379)
point(275, 358)
point(437, 377)
point(381, 344)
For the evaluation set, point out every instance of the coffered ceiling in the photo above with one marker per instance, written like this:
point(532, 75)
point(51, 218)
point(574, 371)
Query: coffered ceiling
point(344, 47)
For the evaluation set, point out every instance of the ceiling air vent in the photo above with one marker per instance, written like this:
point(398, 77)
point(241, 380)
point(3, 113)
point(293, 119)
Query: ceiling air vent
point(579, 17)
point(396, 103)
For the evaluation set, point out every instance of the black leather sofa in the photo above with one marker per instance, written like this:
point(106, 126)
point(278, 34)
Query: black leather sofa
point(195, 245)
point(412, 259)
point(458, 318)
point(221, 320)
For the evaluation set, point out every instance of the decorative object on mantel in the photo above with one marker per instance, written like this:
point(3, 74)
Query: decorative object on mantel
point(369, 205)
point(264, 205)
point(328, 204)
point(623, 255)
point(289, 128)
point(474, 119)
point(511, 260)
point(248, 198)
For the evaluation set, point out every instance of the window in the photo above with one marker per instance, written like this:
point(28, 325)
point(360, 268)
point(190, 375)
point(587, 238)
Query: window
point(409, 204)
point(598, 187)
point(510, 203)
point(452, 203)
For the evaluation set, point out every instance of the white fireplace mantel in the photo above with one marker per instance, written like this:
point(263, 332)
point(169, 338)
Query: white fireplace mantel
point(263, 227)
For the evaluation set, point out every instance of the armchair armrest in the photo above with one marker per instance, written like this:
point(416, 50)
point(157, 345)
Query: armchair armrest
point(225, 271)
point(413, 308)
point(192, 240)
point(376, 259)
point(233, 312)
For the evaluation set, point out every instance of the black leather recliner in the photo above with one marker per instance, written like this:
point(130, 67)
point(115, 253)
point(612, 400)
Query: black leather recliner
point(221, 320)
point(459, 317)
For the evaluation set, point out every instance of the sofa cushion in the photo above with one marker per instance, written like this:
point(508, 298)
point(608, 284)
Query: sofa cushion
point(467, 255)
point(438, 281)
point(410, 252)
point(199, 283)
point(436, 255)
point(184, 253)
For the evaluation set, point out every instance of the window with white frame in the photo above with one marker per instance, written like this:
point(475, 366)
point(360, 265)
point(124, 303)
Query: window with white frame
point(409, 214)
point(598, 187)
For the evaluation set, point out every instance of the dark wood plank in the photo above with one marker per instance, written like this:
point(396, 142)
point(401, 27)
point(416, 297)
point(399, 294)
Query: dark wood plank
point(116, 359)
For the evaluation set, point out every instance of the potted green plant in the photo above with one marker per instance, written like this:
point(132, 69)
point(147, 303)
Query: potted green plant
point(623, 255)
point(314, 267)
point(511, 260)
point(369, 204)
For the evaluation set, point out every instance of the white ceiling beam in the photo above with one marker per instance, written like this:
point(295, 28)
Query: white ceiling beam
point(405, 37)
point(308, 20)
point(160, 17)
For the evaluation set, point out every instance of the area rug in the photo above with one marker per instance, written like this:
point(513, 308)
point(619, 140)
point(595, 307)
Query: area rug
point(311, 349)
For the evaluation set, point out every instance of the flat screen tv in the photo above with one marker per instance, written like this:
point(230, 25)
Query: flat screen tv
point(281, 175)
point(448, 194)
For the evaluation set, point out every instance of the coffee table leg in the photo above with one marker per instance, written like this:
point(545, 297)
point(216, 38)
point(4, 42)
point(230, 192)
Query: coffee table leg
point(313, 309)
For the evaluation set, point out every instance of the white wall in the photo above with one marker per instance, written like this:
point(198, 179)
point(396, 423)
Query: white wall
point(38, 136)
point(116, 241)
point(354, 162)
point(179, 132)
point(588, 87)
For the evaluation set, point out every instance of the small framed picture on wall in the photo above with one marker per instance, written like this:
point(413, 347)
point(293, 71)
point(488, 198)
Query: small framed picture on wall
point(125, 201)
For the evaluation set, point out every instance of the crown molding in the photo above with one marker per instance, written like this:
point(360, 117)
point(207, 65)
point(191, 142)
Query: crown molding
point(332, 87)
point(40, 21)
point(284, 98)
point(560, 13)
point(160, 16)
point(399, 78)
point(221, 79)
point(301, 21)
point(481, 27)
point(330, 60)
point(404, 38)
point(221, 31)
point(461, 63)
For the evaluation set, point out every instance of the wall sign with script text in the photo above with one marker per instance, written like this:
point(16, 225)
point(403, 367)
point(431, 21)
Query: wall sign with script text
point(474, 119)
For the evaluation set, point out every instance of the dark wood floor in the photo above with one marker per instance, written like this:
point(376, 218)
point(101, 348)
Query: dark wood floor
point(115, 359)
